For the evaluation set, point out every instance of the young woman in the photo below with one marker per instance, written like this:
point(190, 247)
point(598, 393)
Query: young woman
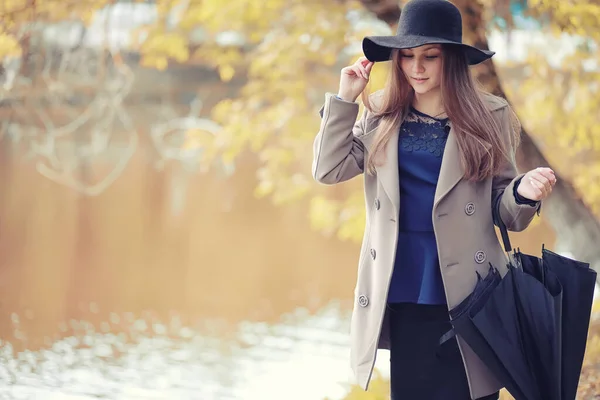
point(437, 156)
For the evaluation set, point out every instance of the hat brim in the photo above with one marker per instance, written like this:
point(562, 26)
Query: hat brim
point(379, 48)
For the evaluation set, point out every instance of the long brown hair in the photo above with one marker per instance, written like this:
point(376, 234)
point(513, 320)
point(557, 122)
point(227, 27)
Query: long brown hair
point(483, 146)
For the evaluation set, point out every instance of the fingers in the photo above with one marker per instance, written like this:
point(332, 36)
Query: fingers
point(538, 192)
point(546, 172)
point(538, 188)
point(363, 61)
point(542, 181)
point(349, 70)
point(361, 68)
point(363, 71)
point(544, 176)
point(365, 66)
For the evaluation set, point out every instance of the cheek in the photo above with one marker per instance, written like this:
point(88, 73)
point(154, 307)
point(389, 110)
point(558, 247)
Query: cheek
point(405, 66)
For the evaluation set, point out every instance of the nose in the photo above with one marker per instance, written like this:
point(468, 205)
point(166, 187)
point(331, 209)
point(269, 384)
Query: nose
point(418, 65)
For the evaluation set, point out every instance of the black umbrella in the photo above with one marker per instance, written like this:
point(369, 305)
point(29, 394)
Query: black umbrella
point(535, 267)
point(510, 323)
point(515, 376)
point(578, 282)
point(530, 327)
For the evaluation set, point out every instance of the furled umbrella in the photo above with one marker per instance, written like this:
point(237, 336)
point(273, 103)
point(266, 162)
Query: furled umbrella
point(511, 324)
point(530, 326)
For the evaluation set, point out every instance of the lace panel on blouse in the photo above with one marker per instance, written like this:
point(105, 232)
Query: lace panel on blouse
point(420, 132)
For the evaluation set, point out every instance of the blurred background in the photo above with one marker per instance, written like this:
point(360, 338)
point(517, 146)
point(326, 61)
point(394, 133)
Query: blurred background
point(161, 236)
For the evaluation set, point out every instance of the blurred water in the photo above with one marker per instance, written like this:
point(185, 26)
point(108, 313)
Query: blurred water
point(301, 357)
point(170, 285)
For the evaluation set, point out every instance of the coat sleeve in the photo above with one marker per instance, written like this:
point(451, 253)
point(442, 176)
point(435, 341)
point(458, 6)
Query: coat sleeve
point(515, 215)
point(338, 155)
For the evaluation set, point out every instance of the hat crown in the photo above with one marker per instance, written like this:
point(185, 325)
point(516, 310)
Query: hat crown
point(432, 18)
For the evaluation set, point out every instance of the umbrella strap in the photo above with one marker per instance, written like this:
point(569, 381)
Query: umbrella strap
point(503, 230)
point(447, 336)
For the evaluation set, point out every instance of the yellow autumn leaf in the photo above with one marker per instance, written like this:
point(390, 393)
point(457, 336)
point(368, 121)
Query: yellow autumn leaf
point(9, 47)
point(226, 72)
point(161, 63)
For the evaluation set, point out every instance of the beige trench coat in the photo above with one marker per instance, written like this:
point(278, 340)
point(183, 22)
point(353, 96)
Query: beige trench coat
point(462, 222)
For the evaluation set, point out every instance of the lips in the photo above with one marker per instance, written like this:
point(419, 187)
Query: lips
point(420, 79)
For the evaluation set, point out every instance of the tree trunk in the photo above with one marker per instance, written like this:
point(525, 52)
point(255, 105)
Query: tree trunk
point(386, 10)
point(577, 228)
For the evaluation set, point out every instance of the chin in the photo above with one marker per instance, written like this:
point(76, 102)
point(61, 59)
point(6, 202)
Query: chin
point(421, 90)
point(424, 90)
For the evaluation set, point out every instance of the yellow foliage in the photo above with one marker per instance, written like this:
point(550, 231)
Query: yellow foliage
point(161, 45)
point(226, 72)
point(289, 52)
point(9, 47)
point(15, 14)
point(559, 104)
point(580, 17)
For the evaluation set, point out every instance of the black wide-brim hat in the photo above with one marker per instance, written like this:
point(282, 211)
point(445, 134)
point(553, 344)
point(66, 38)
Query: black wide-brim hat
point(424, 22)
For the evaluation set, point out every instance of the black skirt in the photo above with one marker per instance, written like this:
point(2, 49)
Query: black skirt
point(420, 368)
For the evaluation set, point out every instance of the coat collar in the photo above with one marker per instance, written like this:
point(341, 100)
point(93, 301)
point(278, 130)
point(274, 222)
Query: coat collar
point(451, 171)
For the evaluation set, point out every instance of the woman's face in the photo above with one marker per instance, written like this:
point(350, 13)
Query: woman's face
point(422, 67)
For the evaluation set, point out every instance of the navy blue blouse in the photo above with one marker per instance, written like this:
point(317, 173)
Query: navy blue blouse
point(416, 277)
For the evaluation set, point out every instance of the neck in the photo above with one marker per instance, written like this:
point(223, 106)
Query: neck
point(429, 103)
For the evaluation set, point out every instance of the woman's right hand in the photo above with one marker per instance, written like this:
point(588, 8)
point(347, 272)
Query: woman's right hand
point(354, 79)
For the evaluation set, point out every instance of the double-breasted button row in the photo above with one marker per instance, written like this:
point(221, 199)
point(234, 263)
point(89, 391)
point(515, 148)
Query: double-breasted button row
point(363, 300)
point(480, 257)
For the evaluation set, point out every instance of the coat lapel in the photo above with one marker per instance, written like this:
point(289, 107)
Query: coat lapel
point(451, 171)
point(387, 172)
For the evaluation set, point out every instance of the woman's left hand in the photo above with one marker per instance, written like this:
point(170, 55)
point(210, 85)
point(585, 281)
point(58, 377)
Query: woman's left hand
point(537, 184)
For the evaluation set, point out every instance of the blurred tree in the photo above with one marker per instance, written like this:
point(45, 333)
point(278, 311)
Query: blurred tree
point(287, 51)
point(289, 60)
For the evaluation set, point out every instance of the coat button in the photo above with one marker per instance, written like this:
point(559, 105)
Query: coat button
point(470, 209)
point(480, 257)
point(363, 300)
point(373, 254)
point(377, 204)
